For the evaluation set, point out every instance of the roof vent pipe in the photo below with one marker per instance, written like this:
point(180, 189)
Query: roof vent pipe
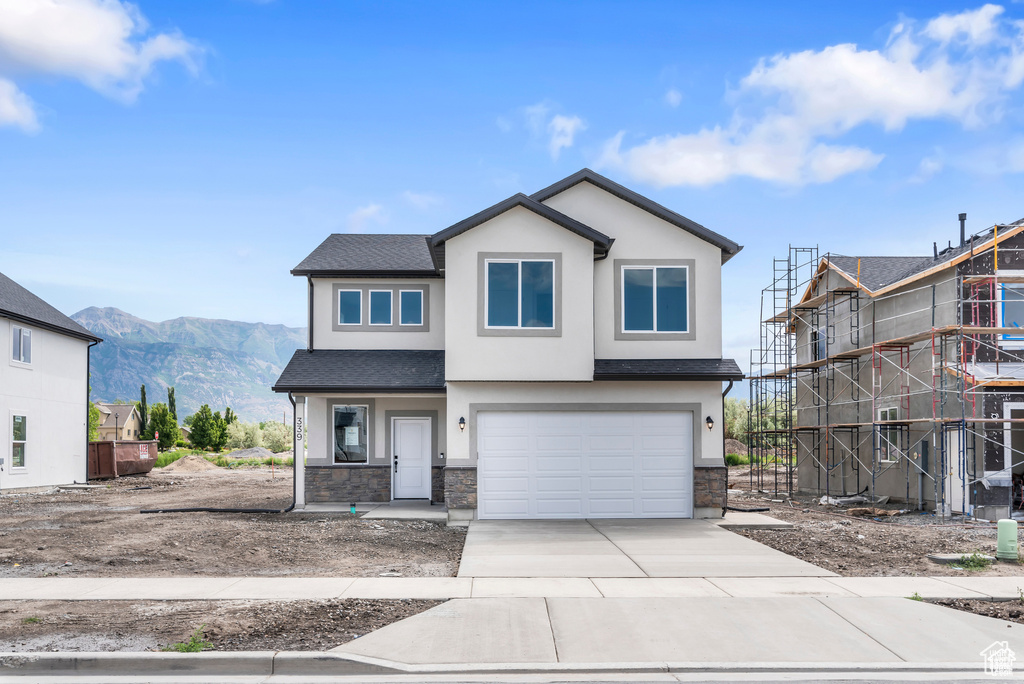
point(963, 227)
point(935, 248)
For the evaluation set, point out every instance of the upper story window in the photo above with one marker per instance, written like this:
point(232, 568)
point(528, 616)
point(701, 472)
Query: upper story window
point(377, 307)
point(1011, 312)
point(519, 294)
point(21, 344)
point(655, 299)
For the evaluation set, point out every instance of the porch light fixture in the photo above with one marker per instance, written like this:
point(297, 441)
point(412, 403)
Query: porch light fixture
point(462, 424)
point(710, 422)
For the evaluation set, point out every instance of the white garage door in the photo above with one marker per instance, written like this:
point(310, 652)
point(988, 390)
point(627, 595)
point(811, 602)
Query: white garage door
point(576, 464)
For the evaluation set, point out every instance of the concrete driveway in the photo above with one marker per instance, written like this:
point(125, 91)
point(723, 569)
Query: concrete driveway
point(620, 548)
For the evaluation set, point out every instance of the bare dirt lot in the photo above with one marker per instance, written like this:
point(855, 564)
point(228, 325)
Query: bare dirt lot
point(99, 532)
point(865, 547)
point(229, 625)
point(1012, 611)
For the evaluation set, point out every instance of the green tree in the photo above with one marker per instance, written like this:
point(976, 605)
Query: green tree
point(171, 406)
point(229, 416)
point(204, 428)
point(160, 420)
point(187, 420)
point(143, 409)
point(95, 418)
point(736, 412)
point(220, 432)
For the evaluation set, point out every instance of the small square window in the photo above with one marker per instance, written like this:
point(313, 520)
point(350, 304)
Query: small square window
point(655, 299)
point(411, 307)
point(350, 307)
point(380, 307)
point(21, 344)
point(520, 294)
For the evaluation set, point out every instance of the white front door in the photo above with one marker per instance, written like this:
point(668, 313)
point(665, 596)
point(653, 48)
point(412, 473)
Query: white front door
point(410, 440)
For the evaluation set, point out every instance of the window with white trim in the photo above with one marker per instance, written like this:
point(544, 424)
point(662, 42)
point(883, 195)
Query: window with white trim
point(380, 307)
point(888, 435)
point(350, 307)
point(19, 438)
point(1011, 310)
point(655, 299)
point(21, 344)
point(410, 307)
point(520, 293)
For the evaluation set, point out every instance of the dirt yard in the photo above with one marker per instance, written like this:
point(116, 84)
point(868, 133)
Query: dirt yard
point(1012, 611)
point(869, 547)
point(229, 625)
point(99, 532)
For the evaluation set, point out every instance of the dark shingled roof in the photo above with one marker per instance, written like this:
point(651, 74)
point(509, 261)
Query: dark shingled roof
point(18, 303)
point(365, 254)
point(877, 272)
point(667, 369)
point(364, 370)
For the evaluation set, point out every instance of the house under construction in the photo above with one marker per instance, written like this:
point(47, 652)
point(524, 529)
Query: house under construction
point(896, 376)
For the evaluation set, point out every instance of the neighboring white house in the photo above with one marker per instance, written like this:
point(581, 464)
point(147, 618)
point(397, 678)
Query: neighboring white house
point(557, 355)
point(44, 390)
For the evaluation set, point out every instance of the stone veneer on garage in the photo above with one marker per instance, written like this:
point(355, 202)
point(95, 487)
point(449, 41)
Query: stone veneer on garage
point(460, 486)
point(710, 485)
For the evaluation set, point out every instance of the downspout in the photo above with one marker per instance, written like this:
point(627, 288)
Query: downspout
point(244, 510)
point(309, 343)
point(88, 404)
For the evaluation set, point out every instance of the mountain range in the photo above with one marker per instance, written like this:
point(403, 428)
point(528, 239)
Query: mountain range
point(216, 362)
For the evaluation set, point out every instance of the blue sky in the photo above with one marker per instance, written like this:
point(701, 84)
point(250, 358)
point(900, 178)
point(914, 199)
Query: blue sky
point(178, 158)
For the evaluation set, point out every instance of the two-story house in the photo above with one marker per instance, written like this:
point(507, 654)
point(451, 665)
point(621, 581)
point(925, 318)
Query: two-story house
point(557, 355)
point(44, 392)
point(119, 422)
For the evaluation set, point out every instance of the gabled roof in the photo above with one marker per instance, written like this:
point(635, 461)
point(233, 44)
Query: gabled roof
point(601, 241)
point(368, 255)
point(364, 370)
point(124, 413)
point(19, 304)
point(876, 272)
point(728, 247)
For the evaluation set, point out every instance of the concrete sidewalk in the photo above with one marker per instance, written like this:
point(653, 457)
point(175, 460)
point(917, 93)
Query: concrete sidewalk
point(318, 588)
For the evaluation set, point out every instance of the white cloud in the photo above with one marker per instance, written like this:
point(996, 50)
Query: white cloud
point(792, 106)
point(104, 44)
point(563, 130)
point(421, 200)
point(928, 168)
point(360, 219)
point(673, 98)
point(16, 108)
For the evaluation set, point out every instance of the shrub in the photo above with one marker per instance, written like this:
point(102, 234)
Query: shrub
point(244, 435)
point(736, 459)
point(195, 643)
point(181, 444)
point(277, 437)
point(169, 457)
point(974, 561)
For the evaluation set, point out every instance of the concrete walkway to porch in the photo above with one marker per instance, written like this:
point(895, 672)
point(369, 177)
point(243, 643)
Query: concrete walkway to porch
point(621, 548)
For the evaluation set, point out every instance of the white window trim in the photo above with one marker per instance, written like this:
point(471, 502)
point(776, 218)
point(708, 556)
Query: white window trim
point(400, 310)
point(10, 347)
point(1007, 342)
point(391, 307)
point(337, 306)
point(334, 435)
point(886, 459)
point(10, 441)
point(654, 288)
point(519, 294)
point(1004, 477)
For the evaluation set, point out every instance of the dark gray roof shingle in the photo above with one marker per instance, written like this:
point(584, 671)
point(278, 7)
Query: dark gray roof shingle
point(879, 271)
point(18, 303)
point(667, 369)
point(344, 254)
point(364, 370)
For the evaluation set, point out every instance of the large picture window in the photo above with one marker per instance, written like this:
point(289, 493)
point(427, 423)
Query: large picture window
point(520, 293)
point(19, 438)
point(655, 299)
point(350, 434)
point(21, 344)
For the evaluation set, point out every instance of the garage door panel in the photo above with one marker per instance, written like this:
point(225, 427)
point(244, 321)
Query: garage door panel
point(579, 464)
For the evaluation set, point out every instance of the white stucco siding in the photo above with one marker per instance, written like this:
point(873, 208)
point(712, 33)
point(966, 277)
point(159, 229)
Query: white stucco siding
point(472, 356)
point(640, 235)
point(318, 427)
point(50, 393)
point(621, 396)
point(325, 315)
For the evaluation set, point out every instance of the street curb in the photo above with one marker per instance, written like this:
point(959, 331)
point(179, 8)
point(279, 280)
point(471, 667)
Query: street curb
point(314, 663)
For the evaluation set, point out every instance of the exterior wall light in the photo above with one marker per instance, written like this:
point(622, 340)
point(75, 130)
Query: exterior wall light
point(710, 422)
point(462, 424)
